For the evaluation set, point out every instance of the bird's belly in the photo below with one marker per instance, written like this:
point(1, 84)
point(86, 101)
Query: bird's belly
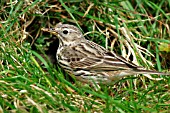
point(94, 77)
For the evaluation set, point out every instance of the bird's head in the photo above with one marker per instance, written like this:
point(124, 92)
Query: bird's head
point(66, 33)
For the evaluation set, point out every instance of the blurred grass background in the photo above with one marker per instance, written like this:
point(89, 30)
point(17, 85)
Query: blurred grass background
point(31, 81)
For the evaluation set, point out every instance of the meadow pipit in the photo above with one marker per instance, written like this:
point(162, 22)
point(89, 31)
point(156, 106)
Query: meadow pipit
point(88, 61)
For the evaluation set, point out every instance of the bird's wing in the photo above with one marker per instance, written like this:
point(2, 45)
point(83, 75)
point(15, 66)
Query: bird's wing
point(91, 56)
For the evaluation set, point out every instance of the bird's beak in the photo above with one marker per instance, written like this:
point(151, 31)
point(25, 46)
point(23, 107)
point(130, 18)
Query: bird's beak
point(53, 30)
point(50, 30)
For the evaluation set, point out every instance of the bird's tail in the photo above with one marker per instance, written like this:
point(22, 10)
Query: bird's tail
point(138, 71)
point(143, 71)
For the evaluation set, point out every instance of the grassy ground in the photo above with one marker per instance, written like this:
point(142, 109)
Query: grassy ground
point(138, 30)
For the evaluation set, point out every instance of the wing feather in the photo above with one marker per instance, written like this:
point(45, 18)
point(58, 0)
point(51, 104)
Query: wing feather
point(95, 57)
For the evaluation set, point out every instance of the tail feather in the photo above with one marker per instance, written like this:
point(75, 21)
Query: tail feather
point(151, 72)
point(138, 71)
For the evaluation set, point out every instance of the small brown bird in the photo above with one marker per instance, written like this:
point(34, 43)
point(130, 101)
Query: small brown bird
point(88, 61)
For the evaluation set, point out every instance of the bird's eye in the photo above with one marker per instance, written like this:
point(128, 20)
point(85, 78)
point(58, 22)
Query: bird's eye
point(65, 32)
